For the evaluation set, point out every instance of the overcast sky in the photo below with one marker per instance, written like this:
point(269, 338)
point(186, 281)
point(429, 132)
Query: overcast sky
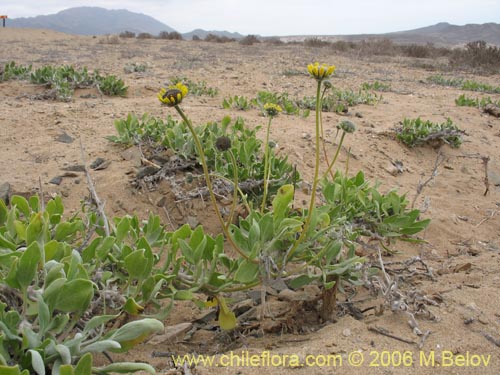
point(284, 17)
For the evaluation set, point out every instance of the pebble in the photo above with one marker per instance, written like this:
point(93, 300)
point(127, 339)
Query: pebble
point(56, 180)
point(347, 332)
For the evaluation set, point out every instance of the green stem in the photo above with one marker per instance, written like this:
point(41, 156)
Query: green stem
point(312, 203)
point(322, 134)
point(266, 162)
point(208, 181)
point(235, 189)
point(336, 155)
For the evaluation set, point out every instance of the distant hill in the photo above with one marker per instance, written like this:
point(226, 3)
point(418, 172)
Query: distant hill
point(93, 21)
point(441, 34)
point(203, 33)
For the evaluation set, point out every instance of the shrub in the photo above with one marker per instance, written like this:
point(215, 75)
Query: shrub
point(144, 36)
point(249, 40)
point(416, 132)
point(127, 34)
point(315, 42)
point(174, 35)
point(477, 55)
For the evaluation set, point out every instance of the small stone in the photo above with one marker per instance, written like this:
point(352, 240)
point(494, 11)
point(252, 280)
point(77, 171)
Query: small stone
point(5, 192)
point(132, 154)
point(347, 332)
point(192, 221)
point(358, 115)
point(64, 138)
point(56, 180)
point(306, 136)
point(96, 163)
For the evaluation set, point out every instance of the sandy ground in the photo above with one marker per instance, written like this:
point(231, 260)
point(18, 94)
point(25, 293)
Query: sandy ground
point(463, 240)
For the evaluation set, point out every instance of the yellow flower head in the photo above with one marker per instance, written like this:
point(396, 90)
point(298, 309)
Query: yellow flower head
point(320, 72)
point(272, 109)
point(173, 95)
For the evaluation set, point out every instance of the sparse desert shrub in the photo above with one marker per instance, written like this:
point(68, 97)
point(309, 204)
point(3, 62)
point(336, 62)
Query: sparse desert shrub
point(199, 88)
point(315, 42)
point(377, 86)
point(477, 56)
point(135, 68)
point(464, 84)
point(343, 46)
point(218, 39)
point(238, 102)
point(110, 39)
point(416, 50)
point(378, 47)
point(144, 36)
point(127, 34)
point(63, 80)
point(174, 35)
point(112, 86)
point(464, 101)
point(416, 132)
point(249, 40)
point(13, 71)
point(196, 38)
point(274, 41)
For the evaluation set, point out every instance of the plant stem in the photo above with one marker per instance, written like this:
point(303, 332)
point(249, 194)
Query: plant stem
point(312, 203)
point(266, 162)
point(322, 134)
point(208, 181)
point(336, 155)
point(235, 189)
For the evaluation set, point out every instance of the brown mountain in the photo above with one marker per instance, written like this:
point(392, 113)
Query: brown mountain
point(441, 34)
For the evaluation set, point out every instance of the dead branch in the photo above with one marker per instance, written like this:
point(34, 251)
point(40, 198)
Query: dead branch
point(440, 158)
point(490, 338)
point(93, 193)
point(384, 332)
point(486, 159)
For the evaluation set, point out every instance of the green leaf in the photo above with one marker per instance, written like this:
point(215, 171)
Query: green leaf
point(122, 229)
point(65, 230)
point(65, 370)
point(6, 244)
point(247, 272)
point(184, 295)
point(301, 281)
point(37, 362)
point(137, 265)
point(3, 212)
point(20, 229)
point(84, 365)
point(21, 204)
point(104, 247)
point(74, 296)
point(64, 354)
point(28, 264)
point(281, 202)
point(135, 332)
point(227, 319)
point(43, 316)
point(97, 321)
point(101, 346)
point(12, 370)
point(123, 368)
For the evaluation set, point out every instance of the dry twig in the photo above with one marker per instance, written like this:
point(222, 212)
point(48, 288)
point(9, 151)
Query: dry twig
point(93, 193)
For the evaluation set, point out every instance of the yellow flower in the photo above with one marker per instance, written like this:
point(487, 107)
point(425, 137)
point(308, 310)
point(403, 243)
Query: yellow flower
point(320, 72)
point(272, 109)
point(173, 95)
